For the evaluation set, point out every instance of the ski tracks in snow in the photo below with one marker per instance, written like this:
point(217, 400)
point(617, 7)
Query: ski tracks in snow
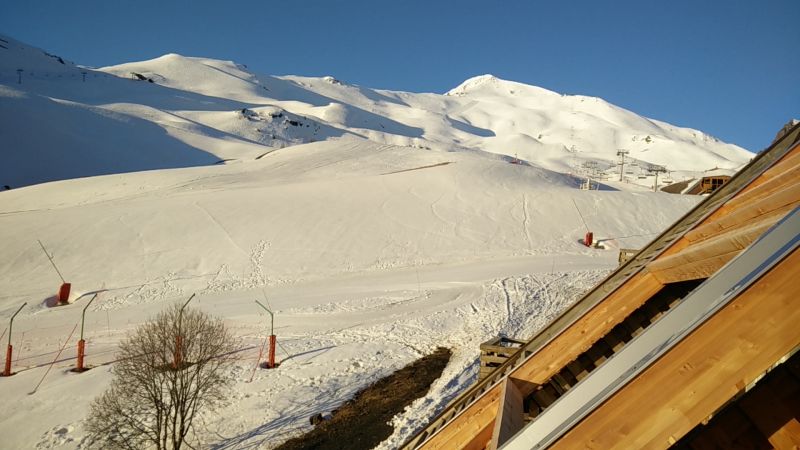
point(526, 222)
point(221, 227)
point(515, 306)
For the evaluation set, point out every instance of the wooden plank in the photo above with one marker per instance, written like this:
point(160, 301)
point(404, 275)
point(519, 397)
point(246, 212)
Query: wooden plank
point(703, 258)
point(577, 369)
point(561, 381)
point(510, 414)
point(636, 322)
point(566, 378)
point(775, 419)
point(493, 359)
point(499, 350)
point(652, 310)
point(545, 396)
point(733, 240)
point(598, 353)
point(783, 176)
point(770, 408)
point(791, 158)
point(592, 326)
point(702, 372)
point(731, 430)
point(479, 441)
point(697, 270)
point(616, 339)
point(468, 429)
point(789, 161)
point(558, 388)
point(783, 200)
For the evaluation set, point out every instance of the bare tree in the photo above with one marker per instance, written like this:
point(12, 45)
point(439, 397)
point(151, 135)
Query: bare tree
point(154, 402)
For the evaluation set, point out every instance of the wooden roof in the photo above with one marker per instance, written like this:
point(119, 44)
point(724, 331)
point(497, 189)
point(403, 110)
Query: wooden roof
point(691, 250)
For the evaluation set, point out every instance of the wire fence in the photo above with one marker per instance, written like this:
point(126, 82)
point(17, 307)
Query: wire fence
point(38, 346)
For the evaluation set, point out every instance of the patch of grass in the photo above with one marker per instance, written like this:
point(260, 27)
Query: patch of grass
point(362, 423)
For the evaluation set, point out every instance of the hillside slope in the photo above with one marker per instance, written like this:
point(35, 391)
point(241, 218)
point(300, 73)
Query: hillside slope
point(347, 207)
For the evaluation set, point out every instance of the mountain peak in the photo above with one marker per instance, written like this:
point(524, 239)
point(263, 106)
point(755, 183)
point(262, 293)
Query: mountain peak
point(473, 83)
point(492, 84)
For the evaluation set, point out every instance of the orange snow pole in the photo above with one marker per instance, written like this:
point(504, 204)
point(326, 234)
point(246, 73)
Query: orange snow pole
point(271, 362)
point(81, 352)
point(7, 369)
point(63, 293)
point(587, 240)
point(10, 349)
point(82, 343)
point(272, 338)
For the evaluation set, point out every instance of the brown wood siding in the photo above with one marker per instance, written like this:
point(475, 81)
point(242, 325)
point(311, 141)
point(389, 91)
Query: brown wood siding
point(702, 372)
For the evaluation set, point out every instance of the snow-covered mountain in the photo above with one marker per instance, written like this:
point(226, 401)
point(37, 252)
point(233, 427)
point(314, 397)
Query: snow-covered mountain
point(60, 120)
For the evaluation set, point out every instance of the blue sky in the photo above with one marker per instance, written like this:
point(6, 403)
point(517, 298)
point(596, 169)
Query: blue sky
point(727, 67)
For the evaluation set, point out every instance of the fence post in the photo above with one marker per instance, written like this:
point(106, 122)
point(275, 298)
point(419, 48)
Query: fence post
point(10, 349)
point(178, 357)
point(271, 361)
point(81, 342)
point(272, 338)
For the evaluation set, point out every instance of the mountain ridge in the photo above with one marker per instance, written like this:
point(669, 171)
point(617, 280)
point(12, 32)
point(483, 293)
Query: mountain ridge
point(222, 109)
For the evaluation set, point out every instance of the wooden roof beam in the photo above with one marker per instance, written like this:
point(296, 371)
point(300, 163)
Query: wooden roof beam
point(510, 416)
point(587, 330)
point(472, 428)
point(712, 364)
point(780, 202)
point(782, 177)
point(732, 241)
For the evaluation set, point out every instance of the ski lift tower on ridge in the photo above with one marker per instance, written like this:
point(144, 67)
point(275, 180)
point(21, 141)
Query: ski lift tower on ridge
point(589, 171)
point(655, 170)
point(622, 153)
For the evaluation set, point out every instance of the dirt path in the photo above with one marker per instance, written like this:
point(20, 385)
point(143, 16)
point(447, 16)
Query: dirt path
point(362, 423)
